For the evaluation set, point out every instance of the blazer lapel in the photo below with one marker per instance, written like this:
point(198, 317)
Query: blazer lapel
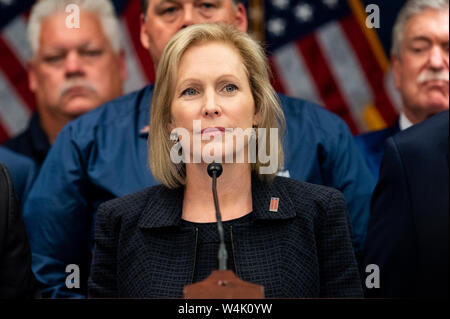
point(258, 247)
point(169, 250)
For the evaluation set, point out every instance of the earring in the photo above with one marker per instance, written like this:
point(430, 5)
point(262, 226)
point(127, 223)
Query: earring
point(174, 137)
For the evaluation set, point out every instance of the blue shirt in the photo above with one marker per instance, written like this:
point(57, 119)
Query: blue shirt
point(32, 143)
point(371, 146)
point(21, 169)
point(103, 155)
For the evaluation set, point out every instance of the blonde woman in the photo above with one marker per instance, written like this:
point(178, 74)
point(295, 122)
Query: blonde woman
point(293, 238)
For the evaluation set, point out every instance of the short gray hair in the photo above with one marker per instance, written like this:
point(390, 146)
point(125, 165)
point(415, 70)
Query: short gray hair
point(144, 5)
point(410, 9)
point(103, 8)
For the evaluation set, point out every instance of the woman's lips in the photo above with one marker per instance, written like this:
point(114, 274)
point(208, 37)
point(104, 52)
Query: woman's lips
point(213, 131)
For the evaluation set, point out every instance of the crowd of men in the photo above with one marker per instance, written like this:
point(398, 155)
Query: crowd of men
point(87, 144)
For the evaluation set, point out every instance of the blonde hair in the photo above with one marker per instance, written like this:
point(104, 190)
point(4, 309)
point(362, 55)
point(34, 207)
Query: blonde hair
point(255, 64)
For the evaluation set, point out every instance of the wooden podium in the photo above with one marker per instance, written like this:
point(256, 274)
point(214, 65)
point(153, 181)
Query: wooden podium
point(223, 284)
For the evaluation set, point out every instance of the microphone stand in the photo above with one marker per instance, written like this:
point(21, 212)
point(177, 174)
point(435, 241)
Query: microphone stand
point(214, 171)
point(222, 283)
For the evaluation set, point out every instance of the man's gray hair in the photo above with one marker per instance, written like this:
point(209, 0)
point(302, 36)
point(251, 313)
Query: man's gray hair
point(144, 5)
point(102, 8)
point(410, 9)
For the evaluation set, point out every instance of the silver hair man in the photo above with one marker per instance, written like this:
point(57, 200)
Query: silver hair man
point(73, 69)
point(410, 9)
point(102, 8)
point(420, 59)
point(144, 4)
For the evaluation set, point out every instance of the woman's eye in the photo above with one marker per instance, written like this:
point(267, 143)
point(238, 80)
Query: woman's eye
point(189, 91)
point(230, 88)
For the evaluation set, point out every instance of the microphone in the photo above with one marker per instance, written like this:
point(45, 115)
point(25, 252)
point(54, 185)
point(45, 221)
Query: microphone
point(214, 171)
point(222, 283)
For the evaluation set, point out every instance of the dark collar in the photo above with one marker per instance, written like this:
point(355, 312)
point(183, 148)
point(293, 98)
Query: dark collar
point(144, 109)
point(40, 142)
point(165, 205)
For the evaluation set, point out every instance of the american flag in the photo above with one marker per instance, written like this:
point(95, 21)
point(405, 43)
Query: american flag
point(320, 50)
point(323, 51)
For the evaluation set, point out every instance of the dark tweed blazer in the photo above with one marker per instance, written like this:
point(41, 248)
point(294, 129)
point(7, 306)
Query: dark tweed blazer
point(303, 250)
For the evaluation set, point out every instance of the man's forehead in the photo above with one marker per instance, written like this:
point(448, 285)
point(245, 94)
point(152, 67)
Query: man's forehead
point(88, 20)
point(160, 2)
point(54, 30)
point(429, 22)
point(80, 45)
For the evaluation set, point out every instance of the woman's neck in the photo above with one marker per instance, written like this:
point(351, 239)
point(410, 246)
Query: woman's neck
point(234, 190)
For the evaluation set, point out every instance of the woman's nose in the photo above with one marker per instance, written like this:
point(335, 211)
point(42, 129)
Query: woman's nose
point(211, 107)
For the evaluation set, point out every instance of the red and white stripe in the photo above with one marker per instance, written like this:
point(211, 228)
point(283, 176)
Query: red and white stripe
point(17, 101)
point(274, 201)
point(336, 67)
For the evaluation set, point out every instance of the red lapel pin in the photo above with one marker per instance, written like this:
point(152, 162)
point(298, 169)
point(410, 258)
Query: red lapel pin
point(274, 201)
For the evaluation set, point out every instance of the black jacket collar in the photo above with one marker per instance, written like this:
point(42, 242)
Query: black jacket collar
point(166, 211)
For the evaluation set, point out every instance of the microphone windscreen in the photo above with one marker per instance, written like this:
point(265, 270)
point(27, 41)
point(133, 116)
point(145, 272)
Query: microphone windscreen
point(214, 167)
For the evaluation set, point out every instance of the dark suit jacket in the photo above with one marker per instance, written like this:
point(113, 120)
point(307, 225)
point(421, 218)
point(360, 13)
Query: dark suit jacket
point(303, 250)
point(408, 230)
point(372, 146)
point(16, 277)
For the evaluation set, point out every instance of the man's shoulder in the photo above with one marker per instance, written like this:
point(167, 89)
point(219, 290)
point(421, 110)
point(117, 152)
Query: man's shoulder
point(431, 133)
point(376, 139)
point(19, 139)
point(20, 168)
point(21, 143)
point(119, 110)
point(9, 157)
point(307, 111)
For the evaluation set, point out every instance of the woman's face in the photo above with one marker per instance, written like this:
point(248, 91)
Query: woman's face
point(213, 89)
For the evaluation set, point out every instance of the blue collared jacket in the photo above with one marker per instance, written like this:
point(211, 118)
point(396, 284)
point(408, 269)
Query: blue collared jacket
point(103, 155)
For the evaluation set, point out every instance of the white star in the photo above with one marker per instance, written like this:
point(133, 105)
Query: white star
point(280, 4)
point(330, 3)
point(276, 26)
point(304, 12)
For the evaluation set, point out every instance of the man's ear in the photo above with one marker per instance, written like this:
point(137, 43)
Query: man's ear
point(123, 65)
point(396, 70)
point(143, 34)
point(32, 77)
point(241, 18)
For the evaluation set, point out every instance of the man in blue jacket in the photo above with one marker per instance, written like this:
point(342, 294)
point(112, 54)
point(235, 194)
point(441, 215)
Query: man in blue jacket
point(421, 71)
point(103, 155)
